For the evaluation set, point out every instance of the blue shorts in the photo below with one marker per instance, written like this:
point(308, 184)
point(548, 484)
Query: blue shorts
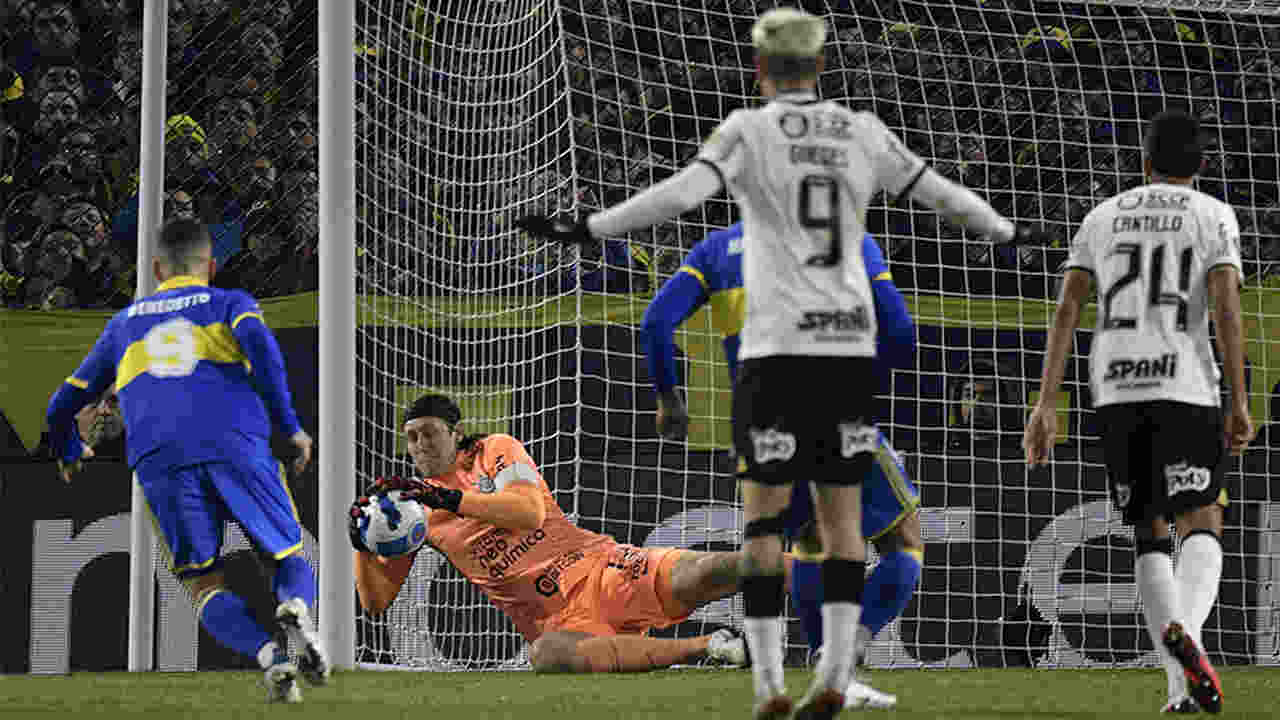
point(887, 496)
point(191, 505)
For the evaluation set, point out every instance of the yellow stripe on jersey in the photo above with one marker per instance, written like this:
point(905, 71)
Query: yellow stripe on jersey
point(213, 343)
point(284, 482)
point(898, 484)
point(16, 89)
point(77, 382)
point(728, 310)
point(697, 274)
point(886, 275)
point(244, 315)
point(181, 281)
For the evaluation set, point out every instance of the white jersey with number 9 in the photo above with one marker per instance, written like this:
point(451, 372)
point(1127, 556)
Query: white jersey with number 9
point(803, 172)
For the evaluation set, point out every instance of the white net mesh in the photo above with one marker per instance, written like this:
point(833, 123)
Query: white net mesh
point(471, 113)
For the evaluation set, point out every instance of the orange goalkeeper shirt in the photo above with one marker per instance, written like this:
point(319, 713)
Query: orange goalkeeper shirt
point(526, 574)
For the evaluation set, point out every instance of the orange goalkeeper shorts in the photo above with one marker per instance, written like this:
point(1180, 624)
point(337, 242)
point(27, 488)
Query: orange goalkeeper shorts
point(627, 592)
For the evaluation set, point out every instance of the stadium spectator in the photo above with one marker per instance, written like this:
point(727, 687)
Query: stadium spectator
point(960, 81)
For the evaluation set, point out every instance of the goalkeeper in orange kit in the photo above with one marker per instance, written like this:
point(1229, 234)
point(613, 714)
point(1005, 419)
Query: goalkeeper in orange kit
point(582, 600)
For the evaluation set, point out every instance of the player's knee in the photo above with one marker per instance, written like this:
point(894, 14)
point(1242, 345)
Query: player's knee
point(201, 587)
point(906, 537)
point(553, 653)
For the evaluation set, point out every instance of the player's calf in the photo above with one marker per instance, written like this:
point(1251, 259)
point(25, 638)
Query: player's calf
point(576, 652)
point(295, 588)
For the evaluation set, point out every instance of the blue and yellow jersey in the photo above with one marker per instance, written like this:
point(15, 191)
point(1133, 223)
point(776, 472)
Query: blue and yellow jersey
point(712, 273)
point(198, 374)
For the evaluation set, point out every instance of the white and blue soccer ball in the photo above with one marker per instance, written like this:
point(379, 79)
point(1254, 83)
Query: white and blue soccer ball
point(392, 526)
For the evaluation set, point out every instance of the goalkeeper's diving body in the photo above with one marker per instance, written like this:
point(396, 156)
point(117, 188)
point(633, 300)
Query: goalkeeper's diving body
point(803, 172)
point(200, 381)
point(582, 600)
point(712, 273)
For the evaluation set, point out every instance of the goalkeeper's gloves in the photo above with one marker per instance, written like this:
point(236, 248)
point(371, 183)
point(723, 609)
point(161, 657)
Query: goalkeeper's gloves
point(356, 518)
point(436, 497)
point(558, 230)
point(429, 494)
point(673, 417)
point(1031, 236)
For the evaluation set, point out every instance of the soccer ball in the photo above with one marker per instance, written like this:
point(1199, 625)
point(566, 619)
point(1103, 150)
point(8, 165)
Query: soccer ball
point(391, 526)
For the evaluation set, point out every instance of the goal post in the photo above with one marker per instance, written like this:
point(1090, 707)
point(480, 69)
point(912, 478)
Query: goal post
point(469, 114)
point(337, 320)
point(142, 540)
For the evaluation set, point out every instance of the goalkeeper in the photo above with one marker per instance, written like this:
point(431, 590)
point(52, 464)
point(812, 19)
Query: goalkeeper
point(581, 599)
point(712, 273)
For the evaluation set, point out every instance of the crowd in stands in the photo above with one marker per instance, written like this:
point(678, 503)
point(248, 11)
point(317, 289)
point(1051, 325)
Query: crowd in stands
point(240, 144)
point(1034, 104)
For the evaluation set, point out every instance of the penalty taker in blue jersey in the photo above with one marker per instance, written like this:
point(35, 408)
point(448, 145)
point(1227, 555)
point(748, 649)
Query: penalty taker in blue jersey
point(712, 274)
point(201, 381)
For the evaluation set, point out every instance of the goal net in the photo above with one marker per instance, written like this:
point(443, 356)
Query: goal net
point(473, 113)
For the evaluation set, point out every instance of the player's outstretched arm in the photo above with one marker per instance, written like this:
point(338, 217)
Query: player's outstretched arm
point(379, 579)
point(961, 206)
point(95, 373)
point(674, 196)
point(904, 175)
point(1042, 426)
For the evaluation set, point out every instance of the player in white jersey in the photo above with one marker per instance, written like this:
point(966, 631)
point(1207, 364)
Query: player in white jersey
point(1161, 254)
point(803, 172)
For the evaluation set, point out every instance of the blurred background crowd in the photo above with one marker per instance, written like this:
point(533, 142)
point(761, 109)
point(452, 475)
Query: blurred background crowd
point(240, 149)
point(1036, 105)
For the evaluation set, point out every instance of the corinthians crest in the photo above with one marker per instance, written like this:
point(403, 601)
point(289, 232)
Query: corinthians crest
point(484, 484)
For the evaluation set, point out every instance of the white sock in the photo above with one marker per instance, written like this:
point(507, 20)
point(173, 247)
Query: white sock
point(764, 637)
point(267, 654)
point(1198, 573)
point(839, 643)
point(863, 642)
point(1154, 571)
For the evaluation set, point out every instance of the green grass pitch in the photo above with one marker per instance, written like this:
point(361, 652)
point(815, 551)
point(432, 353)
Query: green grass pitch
point(670, 695)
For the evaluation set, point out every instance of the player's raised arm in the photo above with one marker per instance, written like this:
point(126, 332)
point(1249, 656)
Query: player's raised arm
point(721, 158)
point(905, 175)
point(86, 385)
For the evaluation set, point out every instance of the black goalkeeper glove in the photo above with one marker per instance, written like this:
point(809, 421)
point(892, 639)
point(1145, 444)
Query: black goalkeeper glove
point(1031, 236)
point(435, 497)
point(557, 230)
point(355, 514)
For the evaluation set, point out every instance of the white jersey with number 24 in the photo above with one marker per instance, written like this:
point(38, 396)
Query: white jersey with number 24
point(803, 172)
point(1150, 250)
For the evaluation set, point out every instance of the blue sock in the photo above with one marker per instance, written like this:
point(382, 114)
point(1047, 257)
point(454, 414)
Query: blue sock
point(889, 589)
point(806, 596)
point(229, 620)
point(294, 579)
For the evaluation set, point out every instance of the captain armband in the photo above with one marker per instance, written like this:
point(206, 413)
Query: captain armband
point(517, 472)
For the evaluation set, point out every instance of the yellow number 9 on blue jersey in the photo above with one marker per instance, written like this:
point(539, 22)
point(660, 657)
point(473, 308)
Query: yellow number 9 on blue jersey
point(171, 348)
